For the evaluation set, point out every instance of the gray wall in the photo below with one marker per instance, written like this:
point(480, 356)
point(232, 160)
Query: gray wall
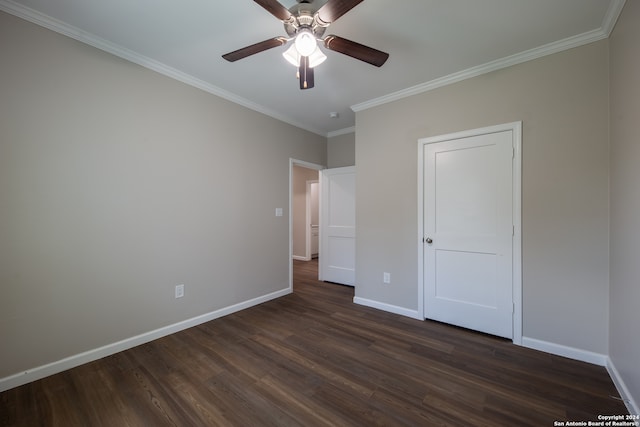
point(624, 347)
point(116, 184)
point(341, 150)
point(562, 100)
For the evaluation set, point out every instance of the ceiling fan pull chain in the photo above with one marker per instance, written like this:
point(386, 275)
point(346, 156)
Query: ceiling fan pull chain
point(304, 67)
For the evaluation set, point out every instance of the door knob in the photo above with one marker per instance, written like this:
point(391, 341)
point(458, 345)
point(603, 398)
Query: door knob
point(428, 240)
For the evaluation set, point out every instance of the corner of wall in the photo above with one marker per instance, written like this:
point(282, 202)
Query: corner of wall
point(626, 396)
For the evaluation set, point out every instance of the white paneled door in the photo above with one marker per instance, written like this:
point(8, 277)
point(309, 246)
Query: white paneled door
point(468, 232)
point(338, 225)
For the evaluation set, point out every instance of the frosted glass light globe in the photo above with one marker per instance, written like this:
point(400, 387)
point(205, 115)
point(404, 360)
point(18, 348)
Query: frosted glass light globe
point(305, 43)
point(292, 56)
point(316, 58)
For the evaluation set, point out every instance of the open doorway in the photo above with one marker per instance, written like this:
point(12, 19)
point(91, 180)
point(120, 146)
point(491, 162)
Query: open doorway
point(312, 225)
point(303, 216)
point(304, 212)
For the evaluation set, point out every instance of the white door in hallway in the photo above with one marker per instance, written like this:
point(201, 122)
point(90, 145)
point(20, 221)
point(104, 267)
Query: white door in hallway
point(338, 225)
point(468, 232)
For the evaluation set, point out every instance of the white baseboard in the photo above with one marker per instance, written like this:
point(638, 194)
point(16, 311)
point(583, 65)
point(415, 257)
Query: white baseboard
point(301, 258)
point(388, 307)
point(631, 404)
point(109, 349)
point(562, 350)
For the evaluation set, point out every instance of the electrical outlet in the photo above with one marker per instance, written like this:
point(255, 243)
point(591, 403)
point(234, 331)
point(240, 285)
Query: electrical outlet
point(386, 277)
point(179, 291)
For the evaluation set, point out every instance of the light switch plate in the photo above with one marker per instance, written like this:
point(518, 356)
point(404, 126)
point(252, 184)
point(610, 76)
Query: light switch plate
point(179, 291)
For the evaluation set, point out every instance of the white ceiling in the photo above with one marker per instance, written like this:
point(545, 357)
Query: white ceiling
point(430, 42)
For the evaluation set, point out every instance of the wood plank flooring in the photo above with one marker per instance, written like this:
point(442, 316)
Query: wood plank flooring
point(313, 358)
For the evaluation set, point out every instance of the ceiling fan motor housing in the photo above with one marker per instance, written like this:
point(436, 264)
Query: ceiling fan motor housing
point(304, 17)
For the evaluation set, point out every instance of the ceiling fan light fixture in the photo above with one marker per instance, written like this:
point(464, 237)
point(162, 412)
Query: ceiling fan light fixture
point(316, 58)
point(305, 42)
point(292, 56)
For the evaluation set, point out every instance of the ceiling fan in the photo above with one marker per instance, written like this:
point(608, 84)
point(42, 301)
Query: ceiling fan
point(306, 25)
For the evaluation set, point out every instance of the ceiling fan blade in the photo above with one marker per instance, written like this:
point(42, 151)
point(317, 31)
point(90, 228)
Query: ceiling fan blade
point(275, 8)
point(254, 48)
point(334, 9)
point(356, 50)
point(306, 74)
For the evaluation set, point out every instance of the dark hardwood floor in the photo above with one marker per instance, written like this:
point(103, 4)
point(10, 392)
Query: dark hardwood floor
point(313, 358)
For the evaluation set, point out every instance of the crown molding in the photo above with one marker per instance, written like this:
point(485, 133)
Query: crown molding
point(31, 15)
point(339, 132)
point(615, 8)
point(60, 27)
point(613, 13)
point(498, 64)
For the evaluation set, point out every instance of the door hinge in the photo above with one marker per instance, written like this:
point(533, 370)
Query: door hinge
point(513, 152)
point(513, 230)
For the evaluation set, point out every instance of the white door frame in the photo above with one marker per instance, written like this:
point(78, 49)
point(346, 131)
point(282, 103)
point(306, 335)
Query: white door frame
point(295, 162)
point(516, 128)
